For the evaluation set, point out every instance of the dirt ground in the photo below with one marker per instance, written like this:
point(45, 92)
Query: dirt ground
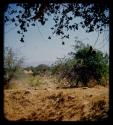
point(71, 104)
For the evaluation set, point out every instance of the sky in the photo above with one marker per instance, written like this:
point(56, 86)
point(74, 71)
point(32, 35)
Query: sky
point(38, 49)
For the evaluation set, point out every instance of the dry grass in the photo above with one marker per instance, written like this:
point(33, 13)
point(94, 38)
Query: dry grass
point(39, 82)
point(73, 104)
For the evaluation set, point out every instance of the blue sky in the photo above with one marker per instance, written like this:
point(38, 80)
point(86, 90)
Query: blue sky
point(37, 48)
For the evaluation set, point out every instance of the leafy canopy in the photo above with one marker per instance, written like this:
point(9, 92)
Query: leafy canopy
point(93, 16)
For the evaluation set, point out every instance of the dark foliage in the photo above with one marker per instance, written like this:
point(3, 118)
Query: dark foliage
point(84, 65)
point(93, 16)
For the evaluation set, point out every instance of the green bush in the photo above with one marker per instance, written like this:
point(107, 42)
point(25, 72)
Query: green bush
point(85, 64)
point(96, 64)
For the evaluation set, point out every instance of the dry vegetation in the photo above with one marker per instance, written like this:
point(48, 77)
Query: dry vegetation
point(37, 97)
point(48, 102)
point(57, 93)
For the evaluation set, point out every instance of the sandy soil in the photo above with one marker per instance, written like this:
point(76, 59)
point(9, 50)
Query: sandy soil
point(72, 104)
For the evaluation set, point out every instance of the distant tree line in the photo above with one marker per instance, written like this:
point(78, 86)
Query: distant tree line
point(39, 70)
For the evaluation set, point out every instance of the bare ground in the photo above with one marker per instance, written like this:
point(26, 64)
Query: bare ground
point(71, 104)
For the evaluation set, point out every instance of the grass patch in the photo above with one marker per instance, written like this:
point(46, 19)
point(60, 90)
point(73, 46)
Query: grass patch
point(35, 81)
point(24, 81)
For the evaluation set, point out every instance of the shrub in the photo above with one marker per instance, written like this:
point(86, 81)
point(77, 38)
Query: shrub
point(96, 62)
point(84, 65)
point(12, 64)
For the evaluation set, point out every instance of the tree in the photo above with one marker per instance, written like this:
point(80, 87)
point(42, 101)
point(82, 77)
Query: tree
point(91, 64)
point(84, 64)
point(11, 64)
point(93, 16)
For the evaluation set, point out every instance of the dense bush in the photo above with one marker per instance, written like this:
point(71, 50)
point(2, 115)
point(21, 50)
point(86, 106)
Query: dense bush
point(95, 62)
point(85, 64)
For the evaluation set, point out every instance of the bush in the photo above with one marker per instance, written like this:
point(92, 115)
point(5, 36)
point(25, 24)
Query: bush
point(95, 62)
point(84, 65)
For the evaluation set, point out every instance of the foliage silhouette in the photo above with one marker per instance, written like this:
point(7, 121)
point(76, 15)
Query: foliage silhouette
point(93, 16)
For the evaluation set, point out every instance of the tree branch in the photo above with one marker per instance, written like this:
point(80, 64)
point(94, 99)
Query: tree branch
point(41, 10)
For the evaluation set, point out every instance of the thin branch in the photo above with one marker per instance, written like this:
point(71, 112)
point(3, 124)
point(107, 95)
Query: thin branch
point(96, 40)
